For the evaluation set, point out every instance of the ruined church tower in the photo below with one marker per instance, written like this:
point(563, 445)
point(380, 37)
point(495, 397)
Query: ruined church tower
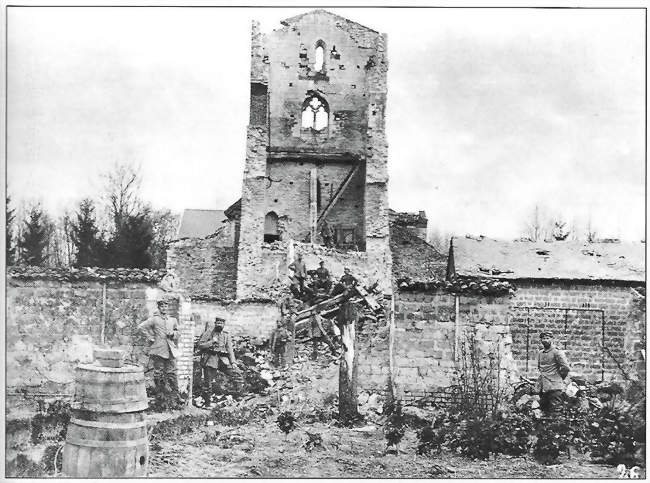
point(316, 145)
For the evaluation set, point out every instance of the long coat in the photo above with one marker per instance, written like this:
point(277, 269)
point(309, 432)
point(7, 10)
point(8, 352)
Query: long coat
point(213, 351)
point(158, 327)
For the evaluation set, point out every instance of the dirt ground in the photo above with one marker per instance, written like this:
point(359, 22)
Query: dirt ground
point(259, 449)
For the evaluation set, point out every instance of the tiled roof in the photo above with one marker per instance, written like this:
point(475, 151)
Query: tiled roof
point(559, 260)
point(27, 272)
point(200, 223)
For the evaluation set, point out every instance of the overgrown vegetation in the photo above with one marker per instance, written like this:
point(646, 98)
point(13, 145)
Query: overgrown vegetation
point(486, 417)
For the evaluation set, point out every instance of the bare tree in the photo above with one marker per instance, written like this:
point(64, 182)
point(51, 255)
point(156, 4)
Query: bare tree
point(122, 193)
point(440, 240)
point(535, 227)
point(165, 226)
point(590, 231)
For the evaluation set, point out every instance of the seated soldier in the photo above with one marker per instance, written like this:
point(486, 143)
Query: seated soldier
point(323, 280)
point(348, 280)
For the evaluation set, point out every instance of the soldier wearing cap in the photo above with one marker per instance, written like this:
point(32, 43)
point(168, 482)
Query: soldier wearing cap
point(323, 280)
point(162, 333)
point(216, 355)
point(553, 369)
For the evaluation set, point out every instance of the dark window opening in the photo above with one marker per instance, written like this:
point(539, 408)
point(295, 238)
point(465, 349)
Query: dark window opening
point(271, 232)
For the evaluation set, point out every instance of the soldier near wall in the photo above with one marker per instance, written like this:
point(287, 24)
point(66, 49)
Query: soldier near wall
point(162, 333)
point(217, 355)
point(553, 369)
point(327, 235)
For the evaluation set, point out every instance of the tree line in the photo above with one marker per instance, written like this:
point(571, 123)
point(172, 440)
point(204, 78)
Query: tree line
point(116, 230)
point(538, 225)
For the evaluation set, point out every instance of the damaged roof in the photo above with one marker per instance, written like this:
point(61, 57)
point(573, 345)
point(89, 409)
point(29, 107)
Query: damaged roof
point(413, 258)
point(559, 260)
point(200, 223)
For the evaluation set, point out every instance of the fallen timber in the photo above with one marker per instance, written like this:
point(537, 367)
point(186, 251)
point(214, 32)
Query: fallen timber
point(332, 304)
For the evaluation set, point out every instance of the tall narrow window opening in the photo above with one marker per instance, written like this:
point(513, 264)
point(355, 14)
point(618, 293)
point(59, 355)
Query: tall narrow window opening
point(319, 58)
point(271, 232)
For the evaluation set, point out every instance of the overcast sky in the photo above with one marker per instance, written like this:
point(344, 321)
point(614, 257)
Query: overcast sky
point(490, 111)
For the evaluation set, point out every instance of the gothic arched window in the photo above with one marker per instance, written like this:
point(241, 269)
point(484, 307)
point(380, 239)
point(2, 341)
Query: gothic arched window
point(315, 113)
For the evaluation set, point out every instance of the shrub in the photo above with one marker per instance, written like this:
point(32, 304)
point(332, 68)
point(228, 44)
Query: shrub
point(512, 433)
point(472, 438)
point(617, 434)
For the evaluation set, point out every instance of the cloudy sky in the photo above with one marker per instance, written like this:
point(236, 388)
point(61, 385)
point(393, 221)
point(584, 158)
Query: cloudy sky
point(490, 111)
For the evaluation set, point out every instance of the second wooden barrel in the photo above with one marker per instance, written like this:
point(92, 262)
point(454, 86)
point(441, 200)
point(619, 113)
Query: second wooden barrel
point(110, 389)
point(100, 445)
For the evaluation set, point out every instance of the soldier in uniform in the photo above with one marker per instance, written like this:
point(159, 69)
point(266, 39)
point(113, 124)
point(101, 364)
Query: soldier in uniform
point(299, 271)
point(348, 280)
point(280, 341)
point(162, 333)
point(217, 355)
point(553, 369)
point(323, 280)
point(326, 234)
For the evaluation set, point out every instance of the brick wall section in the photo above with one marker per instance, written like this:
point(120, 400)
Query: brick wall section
point(242, 319)
point(204, 268)
point(292, 190)
point(53, 325)
point(373, 356)
point(425, 325)
point(584, 329)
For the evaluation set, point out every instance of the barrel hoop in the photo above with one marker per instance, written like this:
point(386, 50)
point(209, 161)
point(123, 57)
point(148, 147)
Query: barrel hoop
point(93, 443)
point(95, 424)
point(111, 401)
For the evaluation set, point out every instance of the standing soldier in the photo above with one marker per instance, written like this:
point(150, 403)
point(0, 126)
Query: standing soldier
point(162, 333)
point(299, 271)
point(280, 344)
point(326, 234)
point(217, 355)
point(553, 369)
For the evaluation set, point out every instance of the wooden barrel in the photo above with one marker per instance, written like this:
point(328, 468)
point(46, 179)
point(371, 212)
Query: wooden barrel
point(109, 357)
point(110, 389)
point(101, 445)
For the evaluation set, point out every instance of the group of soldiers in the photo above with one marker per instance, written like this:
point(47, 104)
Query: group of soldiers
point(311, 286)
point(215, 344)
point(217, 354)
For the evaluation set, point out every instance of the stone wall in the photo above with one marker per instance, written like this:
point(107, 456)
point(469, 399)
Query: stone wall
point(204, 268)
point(291, 190)
point(52, 326)
point(250, 319)
point(427, 336)
point(268, 277)
point(579, 314)
point(343, 82)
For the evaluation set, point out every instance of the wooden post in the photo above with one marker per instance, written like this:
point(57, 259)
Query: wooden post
point(313, 203)
point(348, 410)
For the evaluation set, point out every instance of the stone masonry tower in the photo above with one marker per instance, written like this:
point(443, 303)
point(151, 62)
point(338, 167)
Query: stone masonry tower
point(316, 145)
